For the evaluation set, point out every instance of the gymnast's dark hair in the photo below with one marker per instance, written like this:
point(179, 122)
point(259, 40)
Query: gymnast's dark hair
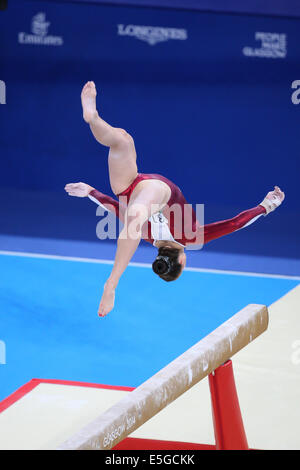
point(166, 264)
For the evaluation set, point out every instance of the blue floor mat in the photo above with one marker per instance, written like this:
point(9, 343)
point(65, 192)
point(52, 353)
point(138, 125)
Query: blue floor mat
point(50, 327)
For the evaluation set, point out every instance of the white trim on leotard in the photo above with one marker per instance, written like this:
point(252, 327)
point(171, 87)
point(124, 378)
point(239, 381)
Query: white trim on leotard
point(92, 198)
point(160, 230)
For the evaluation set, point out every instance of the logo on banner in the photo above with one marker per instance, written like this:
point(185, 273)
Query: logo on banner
point(272, 46)
point(39, 36)
point(152, 34)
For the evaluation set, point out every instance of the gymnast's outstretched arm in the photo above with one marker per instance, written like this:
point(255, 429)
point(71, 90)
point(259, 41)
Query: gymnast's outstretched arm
point(242, 220)
point(107, 202)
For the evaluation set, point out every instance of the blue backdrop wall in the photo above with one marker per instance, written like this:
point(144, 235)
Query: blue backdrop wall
point(207, 98)
point(274, 7)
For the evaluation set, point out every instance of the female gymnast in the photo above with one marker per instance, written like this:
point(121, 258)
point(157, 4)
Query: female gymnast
point(144, 207)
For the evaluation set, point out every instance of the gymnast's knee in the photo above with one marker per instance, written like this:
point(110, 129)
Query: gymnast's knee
point(123, 136)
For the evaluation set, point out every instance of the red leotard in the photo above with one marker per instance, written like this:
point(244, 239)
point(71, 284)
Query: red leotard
point(211, 231)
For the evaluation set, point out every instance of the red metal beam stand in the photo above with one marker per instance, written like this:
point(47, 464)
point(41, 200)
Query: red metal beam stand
point(227, 418)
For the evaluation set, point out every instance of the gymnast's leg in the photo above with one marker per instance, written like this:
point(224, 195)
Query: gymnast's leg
point(225, 227)
point(122, 155)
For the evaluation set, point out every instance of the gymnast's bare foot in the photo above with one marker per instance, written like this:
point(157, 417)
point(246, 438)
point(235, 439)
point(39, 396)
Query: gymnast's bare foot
point(273, 199)
point(88, 101)
point(107, 300)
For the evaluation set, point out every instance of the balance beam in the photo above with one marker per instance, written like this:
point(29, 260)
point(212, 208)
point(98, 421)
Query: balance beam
point(172, 381)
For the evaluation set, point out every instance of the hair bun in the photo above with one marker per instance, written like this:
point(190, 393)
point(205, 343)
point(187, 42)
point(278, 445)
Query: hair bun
point(161, 265)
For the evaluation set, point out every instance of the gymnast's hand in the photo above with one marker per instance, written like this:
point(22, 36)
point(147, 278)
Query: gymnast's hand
point(107, 301)
point(78, 189)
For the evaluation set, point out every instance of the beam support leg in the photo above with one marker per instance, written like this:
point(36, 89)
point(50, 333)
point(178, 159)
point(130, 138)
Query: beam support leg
point(227, 418)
